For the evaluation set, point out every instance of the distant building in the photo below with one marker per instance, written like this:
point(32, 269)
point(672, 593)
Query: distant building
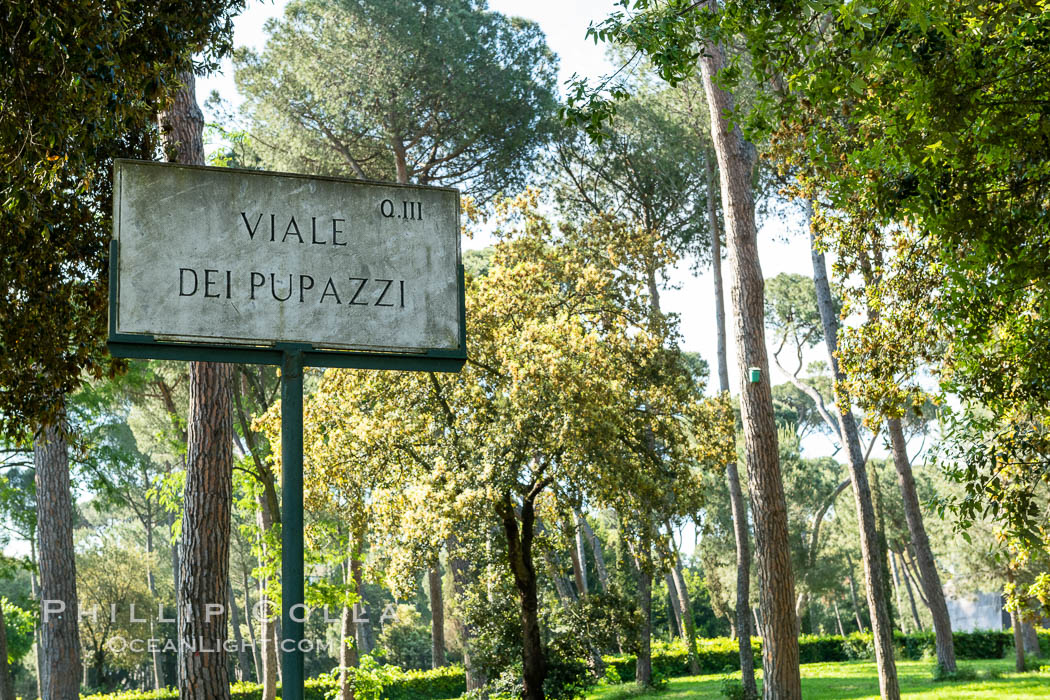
point(981, 612)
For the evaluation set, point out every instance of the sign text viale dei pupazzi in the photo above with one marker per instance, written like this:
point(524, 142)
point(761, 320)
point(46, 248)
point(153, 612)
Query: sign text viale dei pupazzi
point(220, 255)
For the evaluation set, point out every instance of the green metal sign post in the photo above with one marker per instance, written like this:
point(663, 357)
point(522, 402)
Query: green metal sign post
point(292, 586)
point(189, 308)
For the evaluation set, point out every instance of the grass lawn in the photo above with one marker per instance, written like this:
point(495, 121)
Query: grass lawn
point(855, 680)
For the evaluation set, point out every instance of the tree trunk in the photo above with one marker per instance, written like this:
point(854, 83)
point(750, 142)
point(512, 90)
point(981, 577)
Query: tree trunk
point(853, 595)
point(1031, 639)
point(348, 648)
point(1015, 622)
point(599, 557)
point(461, 578)
point(911, 597)
point(519, 554)
point(838, 618)
point(578, 575)
point(437, 620)
point(773, 551)
point(736, 495)
point(204, 576)
point(158, 668)
point(676, 585)
point(870, 548)
point(897, 587)
point(581, 555)
point(675, 623)
point(251, 625)
point(243, 667)
point(643, 670)
point(59, 633)
point(931, 580)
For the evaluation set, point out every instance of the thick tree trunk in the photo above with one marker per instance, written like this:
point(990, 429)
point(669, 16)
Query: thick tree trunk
point(882, 629)
point(205, 555)
point(59, 634)
point(599, 556)
point(437, 620)
point(208, 494)
point(244, 672)
point(931, 580)
point(7, 688)
point(773, 552)
point(519, 554)
point(736, 495)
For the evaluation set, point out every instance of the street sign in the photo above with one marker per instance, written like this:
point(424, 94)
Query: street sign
point(243, 261)
point(225, 265)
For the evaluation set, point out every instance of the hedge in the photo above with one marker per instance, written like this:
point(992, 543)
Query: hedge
point(386, 682)
point(669, 660)
point(717, 655)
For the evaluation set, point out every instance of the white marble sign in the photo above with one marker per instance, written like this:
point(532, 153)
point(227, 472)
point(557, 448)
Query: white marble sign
point(214, 255)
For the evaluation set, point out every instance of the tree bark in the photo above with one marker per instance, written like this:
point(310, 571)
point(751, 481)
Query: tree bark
point(519, 554)
point(931, 580)
point(437, 620)
point(1019, 660)
point(204, 576)
point(776, 578)
point(736, 495)
point(59, 633)
point(870, 547)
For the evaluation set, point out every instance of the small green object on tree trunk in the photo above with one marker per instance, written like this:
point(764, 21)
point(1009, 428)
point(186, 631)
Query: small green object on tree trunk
point(755, 374)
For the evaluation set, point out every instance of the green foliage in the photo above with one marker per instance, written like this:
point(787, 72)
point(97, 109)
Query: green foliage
point(371, 682)
point(405, 640)
point(80, 86)
point(443, 93)
point(19, 624)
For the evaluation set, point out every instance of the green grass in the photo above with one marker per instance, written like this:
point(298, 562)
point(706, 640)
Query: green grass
point(857, 680)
